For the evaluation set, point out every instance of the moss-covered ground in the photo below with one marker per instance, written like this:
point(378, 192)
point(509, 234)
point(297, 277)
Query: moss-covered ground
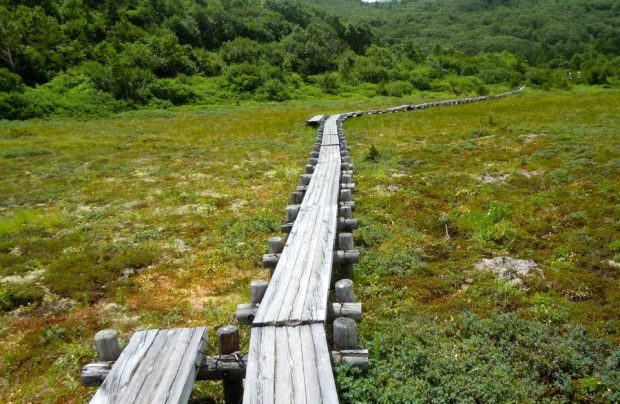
point(159, 219)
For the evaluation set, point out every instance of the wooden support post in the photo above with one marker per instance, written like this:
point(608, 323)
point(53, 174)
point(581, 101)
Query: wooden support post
point(353, 357)
point(345, 195)
point(291, 212)
point(345, 334)
point(309, 169)
point(297, 197)
point(305, 179)
point(346, 211)
point(275, 245)
point(270, 260)
point(107, 346)
point(93, 374)
point(257, 291)
point(347, 224)
point(345, 241)
point(343, 257)
point(344, 291)
point(228, 342)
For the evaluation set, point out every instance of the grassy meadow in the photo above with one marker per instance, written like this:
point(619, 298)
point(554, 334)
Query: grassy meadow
point(159, 219)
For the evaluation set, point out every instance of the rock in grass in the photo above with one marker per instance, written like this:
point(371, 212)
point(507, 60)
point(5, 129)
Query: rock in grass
point(511, 270)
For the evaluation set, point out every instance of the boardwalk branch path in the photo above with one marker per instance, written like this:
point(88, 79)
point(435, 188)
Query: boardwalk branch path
point(289, 358)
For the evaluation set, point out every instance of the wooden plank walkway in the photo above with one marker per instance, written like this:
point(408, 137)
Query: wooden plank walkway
point(289, 361)
point(297, 292)
point(315, 120)
point(157, 366)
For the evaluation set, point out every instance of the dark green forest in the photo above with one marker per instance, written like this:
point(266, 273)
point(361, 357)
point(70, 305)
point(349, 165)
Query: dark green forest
point(87, 58)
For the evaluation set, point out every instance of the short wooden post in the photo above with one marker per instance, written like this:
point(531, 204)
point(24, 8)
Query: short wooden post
point(291, 212)
point(346, 211)
point(345, 195)
point(345, 241)
point(305, 179)
point(107, 346)
point(275, 245)
point(345, 334)
point(344, 291)
point(297, 197)
point(228, 343)
point(257, 291)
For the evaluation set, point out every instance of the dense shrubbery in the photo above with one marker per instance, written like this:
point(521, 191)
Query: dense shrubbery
point(500, 359)
point(75, 58)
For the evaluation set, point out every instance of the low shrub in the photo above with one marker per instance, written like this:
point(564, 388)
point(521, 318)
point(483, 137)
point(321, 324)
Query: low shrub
point(173, 90)
point(503, 358)
point(13, 296)
point(397, 88)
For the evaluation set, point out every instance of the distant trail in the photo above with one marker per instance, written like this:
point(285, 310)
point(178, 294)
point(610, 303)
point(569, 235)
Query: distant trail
point(409, 107)
point(289, 358)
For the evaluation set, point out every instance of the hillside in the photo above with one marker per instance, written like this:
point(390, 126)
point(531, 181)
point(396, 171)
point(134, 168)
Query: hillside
point(81, 58)
point(555, 33)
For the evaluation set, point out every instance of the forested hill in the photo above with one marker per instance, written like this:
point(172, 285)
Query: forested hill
point(549, 31)
point(87, 57)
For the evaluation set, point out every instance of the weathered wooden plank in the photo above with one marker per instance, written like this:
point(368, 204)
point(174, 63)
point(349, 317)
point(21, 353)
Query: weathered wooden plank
point(315, 120)
point(324, 367)
point(298, 370)
point(300, 284)
point(156, 366)
point(260, 374)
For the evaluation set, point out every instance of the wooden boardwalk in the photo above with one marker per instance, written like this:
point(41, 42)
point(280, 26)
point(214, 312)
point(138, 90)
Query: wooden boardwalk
point(157, 366)
point(289, 361)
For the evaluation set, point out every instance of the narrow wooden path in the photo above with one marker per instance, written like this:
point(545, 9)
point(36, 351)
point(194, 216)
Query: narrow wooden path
point(289, 359)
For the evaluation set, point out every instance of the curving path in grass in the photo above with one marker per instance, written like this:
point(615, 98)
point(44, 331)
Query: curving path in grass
point(289, 359)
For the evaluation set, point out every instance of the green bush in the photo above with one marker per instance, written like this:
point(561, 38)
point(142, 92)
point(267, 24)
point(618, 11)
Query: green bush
point(397, 88)
point(13, 296)
point(503, 358)
point(395, 261)
point(273, 90)
point(10, 81)
point(244, 78)
point(329, 82)
point(173, 90)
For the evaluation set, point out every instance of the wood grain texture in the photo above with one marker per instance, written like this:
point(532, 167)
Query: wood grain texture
point(289, 361)
point(156, 366)
point(298, 290)
point(298, 369)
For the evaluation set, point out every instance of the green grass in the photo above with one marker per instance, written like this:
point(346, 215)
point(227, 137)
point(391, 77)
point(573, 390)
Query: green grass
point(551, 198)
point(159, 219)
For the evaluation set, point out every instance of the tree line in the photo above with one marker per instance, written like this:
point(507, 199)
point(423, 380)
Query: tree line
point(88, 57)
